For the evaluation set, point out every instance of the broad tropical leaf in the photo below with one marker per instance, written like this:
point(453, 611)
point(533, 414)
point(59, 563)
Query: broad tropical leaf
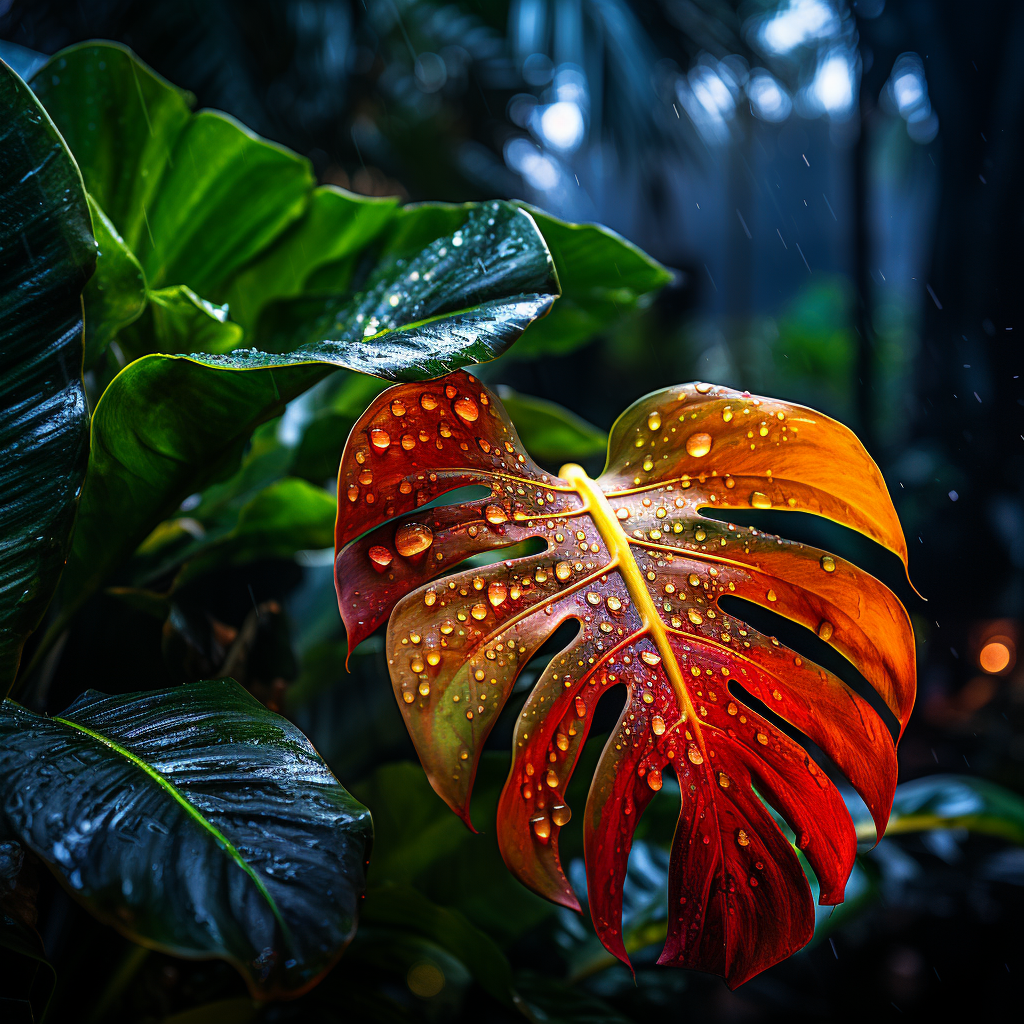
point(464, 298)
point(195, 821)
point(46, 256)
point(630, 558)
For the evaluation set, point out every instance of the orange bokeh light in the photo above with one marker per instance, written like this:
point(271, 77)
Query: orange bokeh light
point(997, 655)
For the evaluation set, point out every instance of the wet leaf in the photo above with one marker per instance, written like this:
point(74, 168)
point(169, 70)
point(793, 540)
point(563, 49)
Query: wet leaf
point(552, 433)
point(177, 320)
point(194, 821)
point(116, 294)
point(46, 256)
point(631, 559)
point(603, 278)
point(150, 450)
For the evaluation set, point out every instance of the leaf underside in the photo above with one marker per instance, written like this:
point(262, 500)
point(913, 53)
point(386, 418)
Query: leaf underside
point(195, 821)
point(632, 560)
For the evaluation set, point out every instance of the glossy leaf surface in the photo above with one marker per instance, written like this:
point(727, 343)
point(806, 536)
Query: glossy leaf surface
point(630, 558)
point(195, 821)
point(46, 256)
point(150, 450)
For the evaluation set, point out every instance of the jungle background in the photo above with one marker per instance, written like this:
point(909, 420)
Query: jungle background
point(834, 184)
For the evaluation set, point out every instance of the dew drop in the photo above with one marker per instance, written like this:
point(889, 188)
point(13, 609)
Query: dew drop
point(593, 598)
point(694, 580)
point(700, 534)
point(622, 513)
point(762, 739)
point(658, 725)
point(825, 629)
point(466, 409)
point(424, 688)
point(614, 604)
point(759, 500)
point(408, 696)
point(495, 514)
point(727, 414)
point(771, 595)
point(702, 389)
point(828, 563)
point(560, 815)
point(694, 616)
point(648, 697)
point(408, 442)
point(562, 741)
point(732, 709)
point(541, 827)
point(433, 658)
point(429, 598)
point(479, 612)
point(550, 778)
point(412, 539)
point(654, 779)
point(654, 421)
point(581, 707)
point(416, 665)
point(650, 658)
point(353, 492)
point(380, 557)
point(698, 445)
point(742, 838)
point(405, 487)
point(693, 755)
point(541, 576)
point(380, 439)
point(724, 781)
point(398, 407)
point(563, 571)
point(648, 464)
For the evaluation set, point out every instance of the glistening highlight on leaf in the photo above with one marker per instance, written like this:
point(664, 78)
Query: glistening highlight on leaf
point(632, 560)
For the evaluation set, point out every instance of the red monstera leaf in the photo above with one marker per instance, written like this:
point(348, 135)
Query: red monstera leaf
point(630, 557)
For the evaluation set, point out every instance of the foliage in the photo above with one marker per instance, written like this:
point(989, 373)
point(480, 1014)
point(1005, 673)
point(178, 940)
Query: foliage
point(649, 606)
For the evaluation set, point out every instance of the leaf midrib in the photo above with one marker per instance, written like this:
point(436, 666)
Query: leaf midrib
point(164, 783)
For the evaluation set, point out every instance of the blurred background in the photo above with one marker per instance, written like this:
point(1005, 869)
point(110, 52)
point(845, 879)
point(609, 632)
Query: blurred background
point(836, 185)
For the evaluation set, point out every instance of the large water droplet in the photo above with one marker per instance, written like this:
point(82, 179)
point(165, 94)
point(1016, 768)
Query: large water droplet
point(380, 557)
point(825, 629)
point(694, 755)
point(742, 838)
point(759, 500)
point(541, 826)
point(412, 538)
point(694, 616)
point(551, 778)
point(654, 779)
point(398, 407)
point(560, 815)
point(698, 445)
point(563, 570)
point(479, 611)
point(380, 439)
point(650, 658)
point(428, 401)
point(495, 514)
point(828, 563)
point(658, 725)
point(654, 421)
point(497, 593)
point(614, 604)
point(466, 409)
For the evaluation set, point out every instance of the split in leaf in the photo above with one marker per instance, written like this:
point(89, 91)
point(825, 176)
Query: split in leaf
point(632, 560)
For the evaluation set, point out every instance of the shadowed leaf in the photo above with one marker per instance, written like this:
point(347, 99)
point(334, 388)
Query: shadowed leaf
point(46, 256)
point(194, 821)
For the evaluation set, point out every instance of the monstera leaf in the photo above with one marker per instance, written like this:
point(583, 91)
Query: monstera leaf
point(195, 821)
point(632, 560)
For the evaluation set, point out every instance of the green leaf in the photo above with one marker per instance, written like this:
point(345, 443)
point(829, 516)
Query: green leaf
point(195, 196)
point(603, 278)
point(491, 266)
point(47, 254)
point(177, 320)
point(121, 120)
point(336, 226)
point(552, 434)
point(194, 821)
point(116, 294)
point(950, 802)
point(403, 908)
point(151, 449)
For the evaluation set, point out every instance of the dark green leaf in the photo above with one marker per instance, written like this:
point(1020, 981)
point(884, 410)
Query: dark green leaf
point(336, 225)
point(490, 269)
point(552, 434)
point(195, 821)
point(116, 294)
point(46, 256)
point(195, 196)
point(602, 276)
point(950, 802)
point(403, 908)
point(121, 120)
point(179, 321)
point(151, 450)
